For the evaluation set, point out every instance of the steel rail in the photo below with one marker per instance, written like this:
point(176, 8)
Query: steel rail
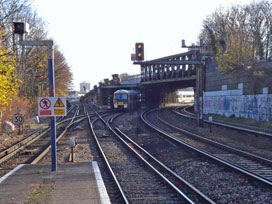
point(203, 197)
point(235, 151)
point(16, 148)
point(72, 122)
point(8, 150)
point(223, 146)
point(91, 123)
point(80, 118)
point(147, 163)
point(217, 123)
point(12, 151)
point(217, 159)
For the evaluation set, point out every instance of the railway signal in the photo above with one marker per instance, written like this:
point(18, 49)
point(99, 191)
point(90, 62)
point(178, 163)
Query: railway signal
point(139, 47)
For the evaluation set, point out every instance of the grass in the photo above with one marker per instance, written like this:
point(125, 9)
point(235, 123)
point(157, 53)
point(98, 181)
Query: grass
point(40, 172)
point(42, 194)
point(32, 125)
point(244, 121)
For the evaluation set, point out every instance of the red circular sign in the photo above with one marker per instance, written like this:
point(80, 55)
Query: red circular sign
point(45, 103)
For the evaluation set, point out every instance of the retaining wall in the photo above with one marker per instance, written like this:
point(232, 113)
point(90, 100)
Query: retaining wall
point(228, 97)
point(233, 102)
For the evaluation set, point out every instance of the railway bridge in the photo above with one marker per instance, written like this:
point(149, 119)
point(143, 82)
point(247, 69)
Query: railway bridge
point(161, 77)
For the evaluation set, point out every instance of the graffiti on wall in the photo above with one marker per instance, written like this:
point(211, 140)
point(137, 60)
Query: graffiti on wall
point(257, 107)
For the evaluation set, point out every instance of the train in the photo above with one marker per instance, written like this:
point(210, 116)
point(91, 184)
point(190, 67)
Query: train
point(126, 99)
point(185, 96)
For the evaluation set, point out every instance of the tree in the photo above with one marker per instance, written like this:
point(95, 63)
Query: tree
point(239, 36)
point(63, 75)
point(8, 80)
point(29, 64)
point(238, 57)
point(253, 22)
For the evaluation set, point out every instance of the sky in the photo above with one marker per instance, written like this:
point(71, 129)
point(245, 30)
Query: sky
point(97, 37)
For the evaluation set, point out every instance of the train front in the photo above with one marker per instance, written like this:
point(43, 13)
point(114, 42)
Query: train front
point(120, 100)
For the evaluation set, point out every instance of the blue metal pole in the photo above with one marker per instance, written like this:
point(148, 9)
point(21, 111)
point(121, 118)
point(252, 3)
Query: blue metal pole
point(52, 94)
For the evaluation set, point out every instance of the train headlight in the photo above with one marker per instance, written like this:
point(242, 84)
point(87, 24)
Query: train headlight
point(115, 106)
point(125, 106)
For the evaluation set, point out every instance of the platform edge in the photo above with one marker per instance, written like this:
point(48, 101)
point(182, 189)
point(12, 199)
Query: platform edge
point(100, 184)
point(11, 172)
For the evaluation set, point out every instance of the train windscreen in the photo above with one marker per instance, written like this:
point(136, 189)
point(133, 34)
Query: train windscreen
point(121, 97)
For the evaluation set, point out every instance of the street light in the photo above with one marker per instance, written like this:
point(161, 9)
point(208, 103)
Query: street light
point(22, 28)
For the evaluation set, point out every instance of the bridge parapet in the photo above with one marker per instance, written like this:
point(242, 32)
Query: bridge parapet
point(177, 66)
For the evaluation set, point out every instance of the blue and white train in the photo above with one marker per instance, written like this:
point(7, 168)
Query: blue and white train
point(126, 99)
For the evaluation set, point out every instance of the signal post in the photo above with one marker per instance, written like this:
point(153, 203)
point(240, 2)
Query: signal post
point(21, 28)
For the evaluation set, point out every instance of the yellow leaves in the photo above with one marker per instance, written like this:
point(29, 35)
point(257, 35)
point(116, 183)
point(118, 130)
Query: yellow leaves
point(40, 65)
point(8, 82)
point(238, 55)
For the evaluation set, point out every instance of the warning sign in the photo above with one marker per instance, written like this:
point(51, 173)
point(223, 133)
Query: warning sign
point(45, 113)
point(59, 103)
point(45, 103)
point(46, 108)
point(59, 111)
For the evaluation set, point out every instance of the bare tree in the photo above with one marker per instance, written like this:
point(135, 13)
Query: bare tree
point(253, 20)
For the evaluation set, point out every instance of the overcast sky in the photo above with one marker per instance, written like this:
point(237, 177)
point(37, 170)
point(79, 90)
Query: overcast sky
point(97, 37)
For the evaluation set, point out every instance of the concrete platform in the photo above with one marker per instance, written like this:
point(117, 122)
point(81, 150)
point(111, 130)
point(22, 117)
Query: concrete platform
point(72, 183)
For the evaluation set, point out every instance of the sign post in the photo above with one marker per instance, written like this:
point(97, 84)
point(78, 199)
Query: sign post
point(50, 46)
point(18, 120)
point(52, 94)
point(21, 28)
point(52, 107)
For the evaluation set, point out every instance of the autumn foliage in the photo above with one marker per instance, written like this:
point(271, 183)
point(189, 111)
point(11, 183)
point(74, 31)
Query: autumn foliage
point(24, 70)
point(9, 82)
point(238, 56)
point(239, 36)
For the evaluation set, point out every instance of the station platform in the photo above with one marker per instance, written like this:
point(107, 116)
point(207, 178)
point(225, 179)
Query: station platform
point(72, 183)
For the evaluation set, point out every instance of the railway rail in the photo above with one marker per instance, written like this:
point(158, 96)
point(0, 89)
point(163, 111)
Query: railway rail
point(182, 111)
point(252, 165)
point(121, 194)
point(213, 168)
point(32, 148)
point(19, 146)
point(159, 169)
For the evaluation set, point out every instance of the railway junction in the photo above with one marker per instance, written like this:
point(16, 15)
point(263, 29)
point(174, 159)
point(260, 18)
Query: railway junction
point(159, 156)
point(139, 139)
point(153, 155)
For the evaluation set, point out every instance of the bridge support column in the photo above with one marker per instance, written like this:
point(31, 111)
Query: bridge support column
point(199, 95)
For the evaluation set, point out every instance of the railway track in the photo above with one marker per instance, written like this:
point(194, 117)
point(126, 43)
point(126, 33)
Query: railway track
point(32, 148)
point(85, 150)
point(115, 185)
point(196, 146)
point(134, 175)
point(183, 111)
point(256, 166)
